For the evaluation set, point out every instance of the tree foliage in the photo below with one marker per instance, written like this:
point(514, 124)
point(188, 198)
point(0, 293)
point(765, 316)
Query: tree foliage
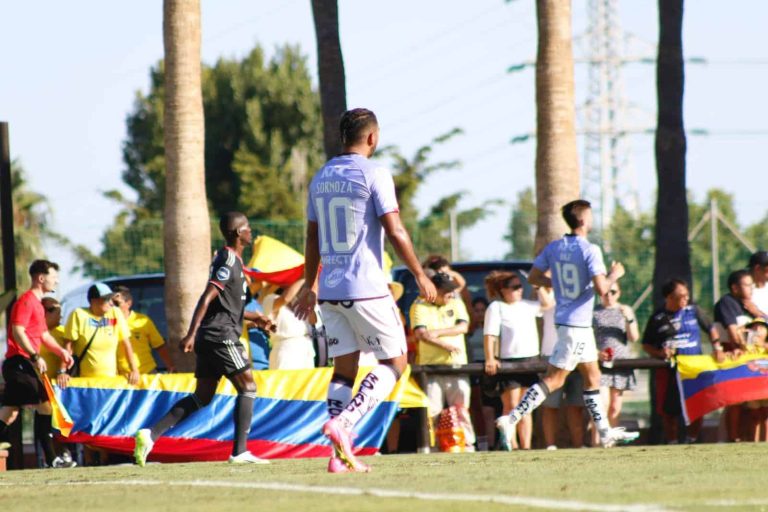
point(263, 140)
point(521, 233)
point(32, 216)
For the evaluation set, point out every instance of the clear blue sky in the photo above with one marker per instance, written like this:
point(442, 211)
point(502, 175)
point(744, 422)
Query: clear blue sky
point(71, 70)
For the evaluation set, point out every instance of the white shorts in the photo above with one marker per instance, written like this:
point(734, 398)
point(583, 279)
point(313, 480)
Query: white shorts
point(574, 345)
point(445, 391)
point(373, 325)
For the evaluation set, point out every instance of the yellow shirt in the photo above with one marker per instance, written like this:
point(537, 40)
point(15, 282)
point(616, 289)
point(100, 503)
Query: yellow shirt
point(101, 359)
point(144, 337)
point(52, 361)
point(432, 316)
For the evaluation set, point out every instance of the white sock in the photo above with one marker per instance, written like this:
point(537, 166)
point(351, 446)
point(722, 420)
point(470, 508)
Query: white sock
point(339, 394)
point(375, 387)
point(532, 398)
point(594, 405)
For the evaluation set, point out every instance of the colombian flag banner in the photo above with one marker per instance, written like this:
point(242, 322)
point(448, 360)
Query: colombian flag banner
point(288, 413)
point(59, 416)
point(706, 385)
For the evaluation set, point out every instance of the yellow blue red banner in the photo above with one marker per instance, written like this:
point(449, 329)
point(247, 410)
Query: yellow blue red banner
point(289, 411)
point(706, 385)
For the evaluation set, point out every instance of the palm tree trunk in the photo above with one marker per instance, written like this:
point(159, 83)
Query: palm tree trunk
point(187, 236)
point(330, 68)
point(672, 249)
point(557, 165)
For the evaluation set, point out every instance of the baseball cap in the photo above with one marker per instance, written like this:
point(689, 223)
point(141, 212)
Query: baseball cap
point(759, 258)
point(443, 282)
point(100, 291)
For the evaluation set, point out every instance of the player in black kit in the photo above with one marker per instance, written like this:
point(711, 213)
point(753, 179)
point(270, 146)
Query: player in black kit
point(214, 334)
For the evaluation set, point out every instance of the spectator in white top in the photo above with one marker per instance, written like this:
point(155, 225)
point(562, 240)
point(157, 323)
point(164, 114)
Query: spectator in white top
point(510, 335)
point(758, 267)
point(291, 341)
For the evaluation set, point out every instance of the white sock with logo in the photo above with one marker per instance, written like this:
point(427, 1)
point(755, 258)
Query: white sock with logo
point(532, 398)
point(594, 405)
point(375, 387)
point(339, 394)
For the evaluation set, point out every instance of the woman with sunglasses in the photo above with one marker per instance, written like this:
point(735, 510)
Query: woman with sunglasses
point(615, 327)
point(510, 335)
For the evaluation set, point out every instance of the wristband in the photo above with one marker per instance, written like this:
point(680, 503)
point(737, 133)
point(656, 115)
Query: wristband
point(62, 372)
point(34, 357)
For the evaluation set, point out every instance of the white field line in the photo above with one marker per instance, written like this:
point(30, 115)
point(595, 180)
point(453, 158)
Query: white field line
point(526, 501)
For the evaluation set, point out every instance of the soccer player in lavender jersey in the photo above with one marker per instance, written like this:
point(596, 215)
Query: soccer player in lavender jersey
point(351, 206)
point(578, 272)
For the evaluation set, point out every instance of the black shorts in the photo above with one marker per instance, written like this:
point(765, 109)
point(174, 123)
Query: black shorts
point(511, 381)
point(219, 356)
point(22, 385)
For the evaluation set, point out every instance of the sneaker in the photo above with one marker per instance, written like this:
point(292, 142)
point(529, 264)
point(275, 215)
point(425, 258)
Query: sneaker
point(336, 465)
point(617, 435)
point(144, 444)
point(246, 458)
point(4, 445)
point(342, 445)
point(552, 447)
point(60, 463)
point(506, 432)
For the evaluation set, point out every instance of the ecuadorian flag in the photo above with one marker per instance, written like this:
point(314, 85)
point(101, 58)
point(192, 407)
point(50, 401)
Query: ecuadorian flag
point(275, 262)
point(706, 385)
point(288, 413)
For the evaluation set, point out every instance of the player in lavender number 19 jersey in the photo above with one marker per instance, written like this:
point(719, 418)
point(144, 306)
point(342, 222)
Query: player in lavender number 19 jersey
point(577, 271)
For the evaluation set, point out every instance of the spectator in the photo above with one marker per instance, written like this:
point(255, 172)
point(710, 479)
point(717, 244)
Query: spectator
point(144, 337)
point(486, 404)
point(758, 268)
point(23, 365)
point(292, 339)
point(615, 327)
point(571, 395)
point(756, 334)
point(732, 312)
point(52, 310)
point(439, 328)
point(511, 336)
point(438, 263)
point(94, 335)
point(674, 329)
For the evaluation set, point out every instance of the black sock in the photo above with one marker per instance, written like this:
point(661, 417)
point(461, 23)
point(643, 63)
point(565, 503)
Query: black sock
point(3, 431)
point(243, 416)
point(178, 412)
point(44, 435)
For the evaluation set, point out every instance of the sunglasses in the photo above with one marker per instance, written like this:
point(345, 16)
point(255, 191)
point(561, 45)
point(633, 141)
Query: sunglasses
point(51, 309)
point(513, 287)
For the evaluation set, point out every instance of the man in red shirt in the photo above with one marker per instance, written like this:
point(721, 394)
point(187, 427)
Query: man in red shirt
point(23, 365)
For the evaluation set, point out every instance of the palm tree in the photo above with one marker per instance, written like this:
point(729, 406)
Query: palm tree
point(557, 166)
point(672, 249)
point(31, 224)
point(330, 68)
point(187, 238)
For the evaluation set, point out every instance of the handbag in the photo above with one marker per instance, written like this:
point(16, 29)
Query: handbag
point(74, 371)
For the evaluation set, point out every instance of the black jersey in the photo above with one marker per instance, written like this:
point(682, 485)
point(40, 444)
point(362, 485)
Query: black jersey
point(224, 316)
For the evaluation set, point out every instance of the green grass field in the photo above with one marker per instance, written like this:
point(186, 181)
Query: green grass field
point(702, 477)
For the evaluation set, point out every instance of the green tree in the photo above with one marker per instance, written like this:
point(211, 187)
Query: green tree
point(31, 224)
point(522, 226)
point(262, 142)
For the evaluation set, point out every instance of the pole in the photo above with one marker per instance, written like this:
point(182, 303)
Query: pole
point(6, 214)
point(714, 249)
point(454, 235)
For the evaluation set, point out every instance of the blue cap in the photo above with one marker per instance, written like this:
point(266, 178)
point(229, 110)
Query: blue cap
point(100, 291)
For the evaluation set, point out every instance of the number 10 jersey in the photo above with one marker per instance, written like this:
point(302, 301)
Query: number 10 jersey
point(573, 262)
point(346, 198)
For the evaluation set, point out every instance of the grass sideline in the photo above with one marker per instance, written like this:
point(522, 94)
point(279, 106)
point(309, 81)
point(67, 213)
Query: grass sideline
point(701, 477)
